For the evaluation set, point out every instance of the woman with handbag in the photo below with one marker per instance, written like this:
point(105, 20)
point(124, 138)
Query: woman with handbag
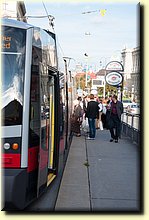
point(76, 119)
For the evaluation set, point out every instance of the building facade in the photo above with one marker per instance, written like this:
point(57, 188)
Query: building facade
point(13, 9)
point(131, 63)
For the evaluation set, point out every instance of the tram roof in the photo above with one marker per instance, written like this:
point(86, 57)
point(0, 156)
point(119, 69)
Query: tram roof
point(15, 23)
point(19, 24)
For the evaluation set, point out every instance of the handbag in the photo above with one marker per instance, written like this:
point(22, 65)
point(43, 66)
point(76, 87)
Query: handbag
point(85, 125)
point(104, 110)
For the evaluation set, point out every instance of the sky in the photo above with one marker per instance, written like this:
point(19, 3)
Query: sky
point(108, 34)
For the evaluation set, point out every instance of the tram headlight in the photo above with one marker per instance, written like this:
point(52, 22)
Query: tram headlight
point(6, 146)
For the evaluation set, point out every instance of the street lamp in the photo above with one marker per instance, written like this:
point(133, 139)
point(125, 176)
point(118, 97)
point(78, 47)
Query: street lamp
point(67, 63)
point(86, 55)
point(68, 58)
point(69, 80)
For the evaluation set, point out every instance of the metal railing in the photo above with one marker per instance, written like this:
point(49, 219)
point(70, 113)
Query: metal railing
point(131, 126)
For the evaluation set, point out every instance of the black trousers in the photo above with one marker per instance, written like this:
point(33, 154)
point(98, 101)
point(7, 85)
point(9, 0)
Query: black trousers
point(115, 127)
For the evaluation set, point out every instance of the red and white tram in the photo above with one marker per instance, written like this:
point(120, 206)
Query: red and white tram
point(35, 113)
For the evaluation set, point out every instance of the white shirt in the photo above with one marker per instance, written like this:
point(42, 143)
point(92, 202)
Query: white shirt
point(100, 107)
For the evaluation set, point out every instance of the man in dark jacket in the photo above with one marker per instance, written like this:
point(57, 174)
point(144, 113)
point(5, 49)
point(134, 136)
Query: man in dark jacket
point(115, 118)
point(92, 113)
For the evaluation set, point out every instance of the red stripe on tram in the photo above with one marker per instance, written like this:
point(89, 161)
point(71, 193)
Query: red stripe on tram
point(32, 158)
point(11, 160)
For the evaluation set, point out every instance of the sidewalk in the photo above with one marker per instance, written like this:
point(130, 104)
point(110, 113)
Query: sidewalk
point(74, 190)
point(100, 176)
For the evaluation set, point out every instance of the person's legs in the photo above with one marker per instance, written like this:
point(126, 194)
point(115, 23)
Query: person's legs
point(93, 128)
point(108, 119)
point(90, 127)
point(100, 121)
point(118, 128)
point(97, 123)
point(111, 126)
point(112, 133)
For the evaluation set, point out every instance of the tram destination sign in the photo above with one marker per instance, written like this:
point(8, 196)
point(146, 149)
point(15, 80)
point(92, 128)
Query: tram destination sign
point(13, 39)
point(114, 78)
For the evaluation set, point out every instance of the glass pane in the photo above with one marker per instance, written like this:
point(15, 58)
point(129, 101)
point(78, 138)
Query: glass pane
point(13, 69)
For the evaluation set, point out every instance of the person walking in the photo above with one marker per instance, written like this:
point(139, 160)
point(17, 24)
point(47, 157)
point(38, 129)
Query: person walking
point(99, 121)
point(85, 103)
point(92, 113)
point(115, 119)
point(108, 111)
point(104, 110)
point(76, 118)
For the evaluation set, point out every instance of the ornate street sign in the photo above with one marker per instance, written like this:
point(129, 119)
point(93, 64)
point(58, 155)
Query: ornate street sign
point(114, 66)
point(114, 78)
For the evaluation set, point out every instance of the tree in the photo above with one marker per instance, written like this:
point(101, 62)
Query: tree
point(110, 89)
point(80, 81)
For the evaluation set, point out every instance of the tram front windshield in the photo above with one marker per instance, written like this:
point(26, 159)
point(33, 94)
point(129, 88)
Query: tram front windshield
point(13, 71)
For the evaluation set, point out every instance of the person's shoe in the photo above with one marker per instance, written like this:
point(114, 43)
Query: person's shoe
point(111, 140)
point(116, 141)
point(78, 135)
point(89, 138)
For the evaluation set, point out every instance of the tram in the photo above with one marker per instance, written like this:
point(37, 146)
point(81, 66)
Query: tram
point(36, 108)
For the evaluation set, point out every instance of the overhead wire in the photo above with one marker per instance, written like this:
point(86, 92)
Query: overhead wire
point(60, 47)
point(102, 13)
point(50, 17)
point(45, 8)
point(88, 12)
point(53, 17)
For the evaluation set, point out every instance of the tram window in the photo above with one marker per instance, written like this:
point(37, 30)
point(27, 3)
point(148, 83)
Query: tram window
point(34, 111)
point(44, 111)
point(13, 70)
point(13, 39)
point(62, 112)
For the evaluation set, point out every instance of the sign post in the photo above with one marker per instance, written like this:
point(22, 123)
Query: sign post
point(114, 76)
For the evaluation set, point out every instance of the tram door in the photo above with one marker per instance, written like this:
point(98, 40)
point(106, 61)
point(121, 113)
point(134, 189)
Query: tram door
point(46, 150)
point(51, 131)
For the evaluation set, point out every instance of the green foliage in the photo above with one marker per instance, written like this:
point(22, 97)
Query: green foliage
point(110, 89)
point(86, 164)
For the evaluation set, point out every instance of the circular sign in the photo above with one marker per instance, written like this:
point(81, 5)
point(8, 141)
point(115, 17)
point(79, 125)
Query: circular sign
point(114, 78)
point(114, 66)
